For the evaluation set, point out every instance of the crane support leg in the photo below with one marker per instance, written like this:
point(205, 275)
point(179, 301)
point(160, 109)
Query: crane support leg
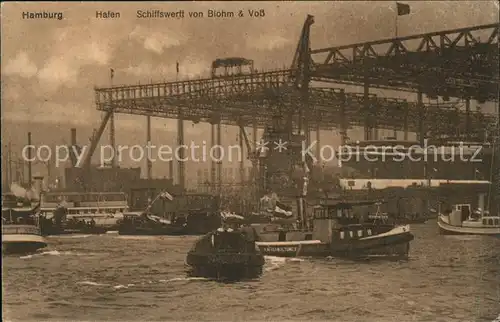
point(180, 141)
point(368, 121)
point(318, 145)
point(148, 142)
point(421, 116)
point(343, 119)
point(219, 159)
point(112, 139)
point(405, 129)
point(467, 117)
point(212, 161)
point(96, 137)
point(242, 164)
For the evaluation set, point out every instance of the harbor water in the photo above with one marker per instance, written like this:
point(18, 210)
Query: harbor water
point(125, 278)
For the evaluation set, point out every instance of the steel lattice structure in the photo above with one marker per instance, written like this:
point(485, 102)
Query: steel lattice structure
point(245, 98)
point(454, 63)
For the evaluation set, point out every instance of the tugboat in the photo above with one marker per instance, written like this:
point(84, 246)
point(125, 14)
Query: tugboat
point(461, 220)
point(334, 230)
point(20, 232)
point(226, 254)
point(338, 231)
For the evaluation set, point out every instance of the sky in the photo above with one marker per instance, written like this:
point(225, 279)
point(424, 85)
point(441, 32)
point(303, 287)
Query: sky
point(50, 67)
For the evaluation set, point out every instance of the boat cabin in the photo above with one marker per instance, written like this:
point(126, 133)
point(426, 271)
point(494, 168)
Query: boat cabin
point(340, 221)
point(463, 215)
point(20, 216)
point(9, 200)
point(84, 204)
point(330, 221)
point(493, 221)
point(20, 230)
point(223, 241)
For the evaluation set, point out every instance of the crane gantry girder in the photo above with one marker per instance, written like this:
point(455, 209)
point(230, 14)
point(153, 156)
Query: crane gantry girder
point(260, 96)
point(456, 63)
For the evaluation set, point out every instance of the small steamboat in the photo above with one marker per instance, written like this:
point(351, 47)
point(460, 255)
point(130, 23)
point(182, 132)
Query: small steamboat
point(81, 212)
point(461, 220)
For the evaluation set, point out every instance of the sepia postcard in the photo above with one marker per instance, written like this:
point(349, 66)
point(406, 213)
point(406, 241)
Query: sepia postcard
point(250, 161)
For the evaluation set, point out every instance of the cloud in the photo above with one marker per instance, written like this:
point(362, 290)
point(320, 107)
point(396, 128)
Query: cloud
point(56, 72)
point(193, 66)
point(190, 67)
point(156, 42)
point(69, 55)
point(149, 70)
point(46, 111)
point(11, 91)
point(267, 42)
point(21, 66)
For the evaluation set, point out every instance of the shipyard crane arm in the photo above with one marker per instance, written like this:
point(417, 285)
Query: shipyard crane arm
point(94, 140)
point(302, 63)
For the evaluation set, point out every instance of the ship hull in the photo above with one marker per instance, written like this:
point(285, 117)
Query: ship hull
point(394, 243)
point(93, 231)
point(22, 243)
point(294, 248)
point(227, 266)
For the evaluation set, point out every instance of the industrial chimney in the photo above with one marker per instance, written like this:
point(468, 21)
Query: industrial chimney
point(73, 136)
point(30, 178)
point(72, 148)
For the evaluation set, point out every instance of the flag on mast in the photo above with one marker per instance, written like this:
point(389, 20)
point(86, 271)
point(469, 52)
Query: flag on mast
point(403, 9)
point(177, 67)
point(112, 73)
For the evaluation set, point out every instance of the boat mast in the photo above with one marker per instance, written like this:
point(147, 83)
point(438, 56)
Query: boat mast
point(302, 197)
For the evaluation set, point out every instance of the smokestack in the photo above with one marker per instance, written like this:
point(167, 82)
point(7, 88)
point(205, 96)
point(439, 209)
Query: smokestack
point(73, 147)
point(29, 160)
point(73, 136)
